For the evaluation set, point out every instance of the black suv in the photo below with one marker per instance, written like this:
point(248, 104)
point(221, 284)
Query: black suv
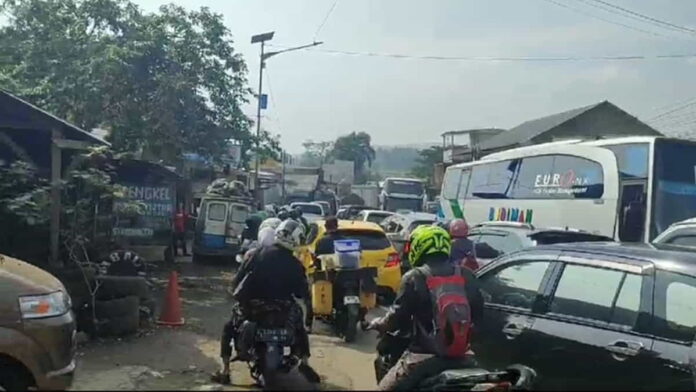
point(592, 316)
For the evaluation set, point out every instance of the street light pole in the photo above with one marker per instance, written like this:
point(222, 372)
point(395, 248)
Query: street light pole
point(262, 64)
point(257, 193)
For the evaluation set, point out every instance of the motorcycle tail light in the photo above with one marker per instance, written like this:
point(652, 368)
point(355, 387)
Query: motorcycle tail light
point(393, 260)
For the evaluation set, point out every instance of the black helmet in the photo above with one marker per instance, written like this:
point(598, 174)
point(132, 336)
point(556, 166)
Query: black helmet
point(283, 215)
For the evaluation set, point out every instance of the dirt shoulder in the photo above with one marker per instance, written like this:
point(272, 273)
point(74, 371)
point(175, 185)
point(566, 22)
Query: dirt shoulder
point(184, 357)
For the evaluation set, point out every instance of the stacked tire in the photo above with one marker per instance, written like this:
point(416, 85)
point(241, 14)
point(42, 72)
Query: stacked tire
point(123, 300)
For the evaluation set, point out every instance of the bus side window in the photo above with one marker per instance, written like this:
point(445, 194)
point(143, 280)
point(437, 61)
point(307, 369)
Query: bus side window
point(450, 185)
point(464, 183)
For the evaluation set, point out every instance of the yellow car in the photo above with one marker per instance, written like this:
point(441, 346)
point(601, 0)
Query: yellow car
point(377, 251)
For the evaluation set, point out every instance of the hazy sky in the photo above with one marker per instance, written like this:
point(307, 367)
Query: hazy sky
point(318, 95)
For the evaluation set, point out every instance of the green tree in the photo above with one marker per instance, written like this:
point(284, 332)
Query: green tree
point(355, 147)
point(162, 83)
point(316, 153)
point(427, 158)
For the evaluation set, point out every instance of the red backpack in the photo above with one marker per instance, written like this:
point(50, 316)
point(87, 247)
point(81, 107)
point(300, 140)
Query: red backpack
point(452, 315)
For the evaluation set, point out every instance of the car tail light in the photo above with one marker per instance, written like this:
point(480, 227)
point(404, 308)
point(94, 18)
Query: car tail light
point(407, 247)
point(393, 260)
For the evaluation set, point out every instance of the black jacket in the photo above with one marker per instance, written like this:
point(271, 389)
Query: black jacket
point(272, 273)
point(325, 246)
point(413, 301)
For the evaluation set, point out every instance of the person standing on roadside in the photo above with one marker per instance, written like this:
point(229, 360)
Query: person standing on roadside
point(180, 219)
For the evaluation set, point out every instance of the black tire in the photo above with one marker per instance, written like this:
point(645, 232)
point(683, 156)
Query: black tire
point(123, 263)
point(119, 316)
point(112, 287)
point(124, 325)
point(350, 329)
point(115, 308)
point(269, 371)
point(14, 377)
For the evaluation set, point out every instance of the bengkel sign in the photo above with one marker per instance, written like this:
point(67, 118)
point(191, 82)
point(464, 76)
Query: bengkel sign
point(567, 182)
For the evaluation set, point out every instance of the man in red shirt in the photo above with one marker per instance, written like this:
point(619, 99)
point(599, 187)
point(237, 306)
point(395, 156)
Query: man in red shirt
point(180, 219)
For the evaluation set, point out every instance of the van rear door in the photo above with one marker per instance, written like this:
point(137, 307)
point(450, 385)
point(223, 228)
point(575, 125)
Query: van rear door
point(215, 224)
point(238, 214)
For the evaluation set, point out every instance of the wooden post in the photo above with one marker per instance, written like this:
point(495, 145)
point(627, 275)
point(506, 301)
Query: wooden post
point(56, 167)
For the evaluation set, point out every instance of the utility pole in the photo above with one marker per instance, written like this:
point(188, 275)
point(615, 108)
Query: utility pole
point(262, 64)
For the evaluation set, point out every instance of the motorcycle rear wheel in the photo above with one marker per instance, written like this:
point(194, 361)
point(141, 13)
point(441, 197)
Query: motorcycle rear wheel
point(350, 329)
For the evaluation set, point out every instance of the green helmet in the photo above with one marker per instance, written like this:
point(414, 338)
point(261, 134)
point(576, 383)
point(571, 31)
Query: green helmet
point(427, 240)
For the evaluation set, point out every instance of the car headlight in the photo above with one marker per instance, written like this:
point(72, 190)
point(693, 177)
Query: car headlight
point(46, 305)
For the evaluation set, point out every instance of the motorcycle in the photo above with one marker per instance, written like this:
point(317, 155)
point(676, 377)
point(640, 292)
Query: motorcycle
point(266, 339)
point(342, 296)
point(391, 346)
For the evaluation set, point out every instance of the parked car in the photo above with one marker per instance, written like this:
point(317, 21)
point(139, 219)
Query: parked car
point(37, 329)
point(374, 216)
point(592, 316)
point(377, 251)
point(399, 227)
point(680, 235)
point(493, 239)
point(310, 211)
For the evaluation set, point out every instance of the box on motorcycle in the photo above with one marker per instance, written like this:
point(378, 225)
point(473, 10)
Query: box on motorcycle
point(322, 297)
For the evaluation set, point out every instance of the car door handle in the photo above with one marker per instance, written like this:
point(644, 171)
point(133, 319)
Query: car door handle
point(621, 349)
point(513, 330)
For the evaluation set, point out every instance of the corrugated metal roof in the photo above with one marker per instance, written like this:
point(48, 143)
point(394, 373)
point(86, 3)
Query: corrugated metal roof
point(21, 111)
point(532, 128)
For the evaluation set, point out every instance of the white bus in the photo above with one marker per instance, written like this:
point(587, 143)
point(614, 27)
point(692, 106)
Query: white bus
point(629, 188)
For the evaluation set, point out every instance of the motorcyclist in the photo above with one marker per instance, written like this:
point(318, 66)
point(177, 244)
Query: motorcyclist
point(296, 214)
point(463, 252)
point(273, 274)
point(413, 310)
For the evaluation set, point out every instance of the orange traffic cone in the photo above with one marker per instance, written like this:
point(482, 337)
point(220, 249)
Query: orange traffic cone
point(171, 312)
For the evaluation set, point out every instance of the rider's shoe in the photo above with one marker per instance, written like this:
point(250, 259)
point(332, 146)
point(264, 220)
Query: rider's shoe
point(221, 378)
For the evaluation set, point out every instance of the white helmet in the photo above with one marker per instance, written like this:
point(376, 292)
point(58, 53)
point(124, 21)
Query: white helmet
point(273, 223)
point(290, 234)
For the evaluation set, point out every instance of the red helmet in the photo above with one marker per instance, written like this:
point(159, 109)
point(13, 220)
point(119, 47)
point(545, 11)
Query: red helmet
point(458, 228)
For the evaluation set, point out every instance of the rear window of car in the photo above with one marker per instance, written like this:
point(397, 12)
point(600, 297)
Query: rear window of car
point(376, 217)
point(369, 239)
point(417, 223)
point(549, 238)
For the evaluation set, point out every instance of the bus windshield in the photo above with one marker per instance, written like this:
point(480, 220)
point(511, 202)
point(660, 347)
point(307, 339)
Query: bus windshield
point(674, 184)
point(404, 187)
point(394, 204)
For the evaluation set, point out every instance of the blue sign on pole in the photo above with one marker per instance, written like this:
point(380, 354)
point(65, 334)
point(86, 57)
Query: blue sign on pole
point(264, 101)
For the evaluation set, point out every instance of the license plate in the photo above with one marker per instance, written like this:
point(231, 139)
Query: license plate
point(232, 241)
point(272, 335)
point(351, 299)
